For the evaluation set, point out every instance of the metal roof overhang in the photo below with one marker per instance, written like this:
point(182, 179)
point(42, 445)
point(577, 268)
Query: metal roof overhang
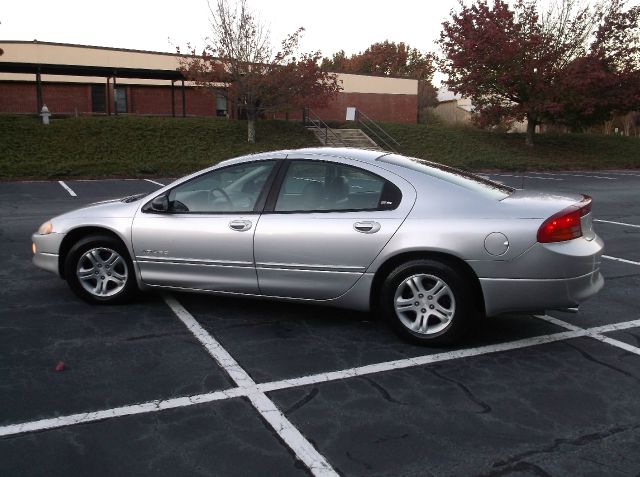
point(84, 70)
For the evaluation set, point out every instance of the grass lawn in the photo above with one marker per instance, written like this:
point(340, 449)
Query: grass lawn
point(475, 149)
point(170, 147)
point(132, 146)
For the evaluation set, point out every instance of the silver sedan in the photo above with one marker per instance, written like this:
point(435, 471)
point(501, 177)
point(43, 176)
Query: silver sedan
point(429, 247)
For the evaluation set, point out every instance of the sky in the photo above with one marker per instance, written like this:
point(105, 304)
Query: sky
point(161, 25)
point(331, 25)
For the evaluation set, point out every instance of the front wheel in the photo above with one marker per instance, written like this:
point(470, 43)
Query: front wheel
point(427, 302)
point(99, 270)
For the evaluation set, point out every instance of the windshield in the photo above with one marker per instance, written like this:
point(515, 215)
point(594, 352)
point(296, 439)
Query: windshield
point(461, 178)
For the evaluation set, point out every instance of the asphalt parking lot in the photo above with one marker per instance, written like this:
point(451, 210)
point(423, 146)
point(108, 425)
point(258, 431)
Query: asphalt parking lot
point(199, 385)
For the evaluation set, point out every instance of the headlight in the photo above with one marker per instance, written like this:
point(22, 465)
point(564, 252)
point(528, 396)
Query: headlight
point(45, 228)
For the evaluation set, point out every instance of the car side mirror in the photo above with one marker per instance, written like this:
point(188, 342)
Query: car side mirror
point(160, 204)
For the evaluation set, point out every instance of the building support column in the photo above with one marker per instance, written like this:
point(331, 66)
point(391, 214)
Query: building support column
point(115, 97)
point(173, 98)
point(184, 101)
point(108, 92)
point(39, 91)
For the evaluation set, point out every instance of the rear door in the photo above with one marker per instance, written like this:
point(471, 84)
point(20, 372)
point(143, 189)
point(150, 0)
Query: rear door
point(324, 224)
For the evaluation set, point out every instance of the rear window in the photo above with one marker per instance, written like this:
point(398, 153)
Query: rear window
point(458, 177)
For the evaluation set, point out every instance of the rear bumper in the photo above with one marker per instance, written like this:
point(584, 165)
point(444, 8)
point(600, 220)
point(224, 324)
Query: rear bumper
point(511, 295)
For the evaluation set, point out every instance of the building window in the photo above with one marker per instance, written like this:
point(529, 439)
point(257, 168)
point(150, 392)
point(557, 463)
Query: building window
point(98, 98)
point(120, 95)
point(221, 105)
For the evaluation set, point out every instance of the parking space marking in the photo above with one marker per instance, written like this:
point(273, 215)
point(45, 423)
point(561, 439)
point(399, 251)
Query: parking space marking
point(623, 260)
point(575, 175)
point(235, 392)
point(616, 223)
point(142, 408)
point(626, 174)
point(529, 177)
point(68, 189)
point(289, 434)
point(419, 361)
point(154, 182)
point(615, 327)
point(595, 333)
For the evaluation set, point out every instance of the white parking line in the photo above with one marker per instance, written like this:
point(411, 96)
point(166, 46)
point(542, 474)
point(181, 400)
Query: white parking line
point(595, 333)
point(68, 189)
point(616, 223)
point(419, 361)
point(142, 408)
point(529, 177)
point(622, 174)
point(623, 260)
point(160, 405)
point(291, 436)
point(575, 175)
point(154, 182)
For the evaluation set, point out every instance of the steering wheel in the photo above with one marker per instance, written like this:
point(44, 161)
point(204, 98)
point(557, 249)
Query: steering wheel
point(222, 193)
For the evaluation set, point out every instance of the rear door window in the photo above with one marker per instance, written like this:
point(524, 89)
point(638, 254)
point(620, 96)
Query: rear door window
point(318, 186)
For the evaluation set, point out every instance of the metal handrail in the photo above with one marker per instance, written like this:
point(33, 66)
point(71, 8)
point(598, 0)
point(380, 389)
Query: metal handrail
point(369, 124)
point(313, 120)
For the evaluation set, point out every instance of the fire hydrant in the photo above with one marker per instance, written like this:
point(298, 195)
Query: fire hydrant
point(45, 114)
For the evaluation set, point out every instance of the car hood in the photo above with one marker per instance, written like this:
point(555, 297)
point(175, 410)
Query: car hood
point(103, 209)
point(538, 205)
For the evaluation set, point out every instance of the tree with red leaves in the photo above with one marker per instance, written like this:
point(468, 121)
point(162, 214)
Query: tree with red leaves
point(575, 64)
point(385, 59)
point(238, 61)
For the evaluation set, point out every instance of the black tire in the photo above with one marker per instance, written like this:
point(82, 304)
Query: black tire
point(76, 261)
point(431, 315)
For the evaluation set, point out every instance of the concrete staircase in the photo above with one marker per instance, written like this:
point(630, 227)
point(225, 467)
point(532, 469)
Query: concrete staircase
point(345, 137)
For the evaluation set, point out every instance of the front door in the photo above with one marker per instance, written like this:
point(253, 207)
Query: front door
point(205, 240)
point(329, 222)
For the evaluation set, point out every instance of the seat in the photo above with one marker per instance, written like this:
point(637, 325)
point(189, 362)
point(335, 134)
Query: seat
point(338, 192)
point(313, 196)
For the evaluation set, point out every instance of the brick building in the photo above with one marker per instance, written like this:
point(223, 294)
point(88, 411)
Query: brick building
point(76, 79)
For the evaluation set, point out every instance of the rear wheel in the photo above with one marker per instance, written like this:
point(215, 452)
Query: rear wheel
point(99, 270)
point(428, 302)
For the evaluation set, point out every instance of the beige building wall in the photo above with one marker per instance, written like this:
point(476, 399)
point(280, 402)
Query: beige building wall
point(61, 54)
point(452, 113)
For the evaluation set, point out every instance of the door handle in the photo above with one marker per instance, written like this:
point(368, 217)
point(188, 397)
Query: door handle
point(240, 225)
point(367, 227)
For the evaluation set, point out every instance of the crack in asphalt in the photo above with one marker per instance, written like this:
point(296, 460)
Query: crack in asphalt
point(363, 463)
point(591, 358)
point(155, 335)
point(383, 392)
point(519, 467)
point(297, 405)
point(391, 438)
point(558, 443)
point(485, 408)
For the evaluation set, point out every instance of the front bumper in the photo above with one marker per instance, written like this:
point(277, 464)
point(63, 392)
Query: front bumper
point(46, 254)
point(513, 295)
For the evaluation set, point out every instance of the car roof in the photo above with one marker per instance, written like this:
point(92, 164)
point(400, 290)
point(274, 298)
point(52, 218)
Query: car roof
point(365, 155)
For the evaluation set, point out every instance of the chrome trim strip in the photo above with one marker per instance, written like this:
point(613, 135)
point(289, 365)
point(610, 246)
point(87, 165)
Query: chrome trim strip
point(193, 261)
point(539, 279)
point(311, 268)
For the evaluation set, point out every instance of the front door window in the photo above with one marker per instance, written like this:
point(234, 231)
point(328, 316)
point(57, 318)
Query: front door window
point(233, 189)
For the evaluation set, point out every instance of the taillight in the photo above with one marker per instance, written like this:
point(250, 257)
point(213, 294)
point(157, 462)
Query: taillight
point(566, 224)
